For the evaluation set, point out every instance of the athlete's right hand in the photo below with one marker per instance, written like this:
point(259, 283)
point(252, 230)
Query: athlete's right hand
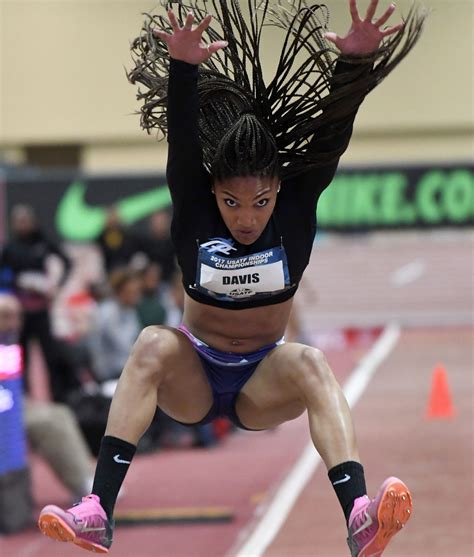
point(185, 43)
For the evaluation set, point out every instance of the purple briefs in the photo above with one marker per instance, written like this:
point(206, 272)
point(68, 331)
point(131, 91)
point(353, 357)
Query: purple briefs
point(227, 372)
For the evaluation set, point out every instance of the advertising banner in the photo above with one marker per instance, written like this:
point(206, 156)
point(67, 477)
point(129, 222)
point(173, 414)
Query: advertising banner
point(411, 197)
point(73, 208)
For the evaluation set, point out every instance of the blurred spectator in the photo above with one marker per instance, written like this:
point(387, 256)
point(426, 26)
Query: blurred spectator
point(24, 268)
point(116, 243)
point(54, 433)
point(158, 246)
point(51, 428)
point(116, 326)
point(150, 309)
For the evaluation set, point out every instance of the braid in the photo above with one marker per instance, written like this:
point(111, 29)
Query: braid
point(247, 149)
point(297, 103)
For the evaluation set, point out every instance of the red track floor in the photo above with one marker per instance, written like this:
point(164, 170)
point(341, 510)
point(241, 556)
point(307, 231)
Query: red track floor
point(434, 457)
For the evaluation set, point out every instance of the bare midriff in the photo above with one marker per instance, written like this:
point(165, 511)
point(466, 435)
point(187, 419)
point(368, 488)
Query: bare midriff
point(240, 331)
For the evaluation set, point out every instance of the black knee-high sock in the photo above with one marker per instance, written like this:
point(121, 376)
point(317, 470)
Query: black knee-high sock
point(115, 456)
point(348, 481)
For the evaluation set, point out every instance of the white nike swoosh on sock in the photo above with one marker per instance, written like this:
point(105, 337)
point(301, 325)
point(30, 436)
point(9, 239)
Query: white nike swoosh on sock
point(346, 478)
point(118, 460)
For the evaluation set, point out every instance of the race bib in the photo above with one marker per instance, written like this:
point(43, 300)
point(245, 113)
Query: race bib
point(258, 275)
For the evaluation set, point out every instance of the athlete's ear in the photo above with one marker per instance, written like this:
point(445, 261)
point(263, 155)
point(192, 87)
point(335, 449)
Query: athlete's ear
point(279, 187)
point(212, 191)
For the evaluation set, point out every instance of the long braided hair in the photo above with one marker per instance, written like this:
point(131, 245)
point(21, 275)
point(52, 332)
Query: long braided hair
point(250, 127)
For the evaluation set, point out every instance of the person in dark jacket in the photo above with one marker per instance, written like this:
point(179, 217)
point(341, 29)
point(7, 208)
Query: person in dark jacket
point(158, 245)
point(24, 267)
point(116, 242)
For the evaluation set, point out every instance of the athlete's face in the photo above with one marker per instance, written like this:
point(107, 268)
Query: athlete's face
point(246, 205)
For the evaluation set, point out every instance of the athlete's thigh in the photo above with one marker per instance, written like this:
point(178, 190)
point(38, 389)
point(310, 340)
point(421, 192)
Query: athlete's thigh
point(270, 397)
point(184, 392)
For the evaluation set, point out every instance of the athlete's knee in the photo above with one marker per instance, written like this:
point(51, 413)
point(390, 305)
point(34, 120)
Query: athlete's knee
point(313, 371)
point(148, 353)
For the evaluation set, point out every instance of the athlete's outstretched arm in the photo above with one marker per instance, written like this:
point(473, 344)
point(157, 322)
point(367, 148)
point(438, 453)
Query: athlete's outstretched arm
point(185, 170)
point(363, 38)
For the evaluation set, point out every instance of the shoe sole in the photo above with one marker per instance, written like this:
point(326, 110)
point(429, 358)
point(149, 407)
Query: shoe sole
point(56, 528)
point(393, 512)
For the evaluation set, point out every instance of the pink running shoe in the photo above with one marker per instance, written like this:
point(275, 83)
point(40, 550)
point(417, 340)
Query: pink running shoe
point(84, 524)
point(373, 523)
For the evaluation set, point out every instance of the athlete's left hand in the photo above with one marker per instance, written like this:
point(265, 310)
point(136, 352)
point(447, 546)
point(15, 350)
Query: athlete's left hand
point(365, 35)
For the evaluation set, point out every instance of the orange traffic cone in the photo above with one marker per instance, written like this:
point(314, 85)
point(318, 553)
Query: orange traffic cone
point(440, 405)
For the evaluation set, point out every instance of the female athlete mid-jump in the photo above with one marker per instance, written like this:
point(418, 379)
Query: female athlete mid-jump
point(247, 163)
